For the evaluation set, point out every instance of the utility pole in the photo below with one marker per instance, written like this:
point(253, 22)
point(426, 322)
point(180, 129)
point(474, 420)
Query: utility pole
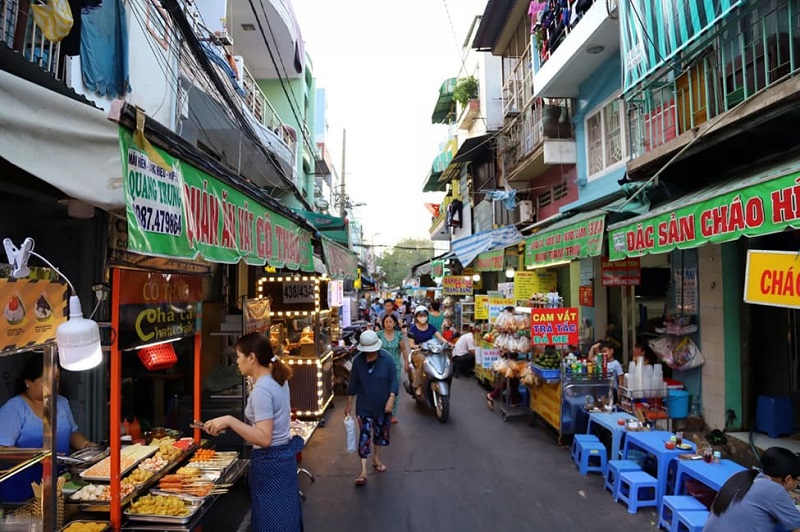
point(343, 193)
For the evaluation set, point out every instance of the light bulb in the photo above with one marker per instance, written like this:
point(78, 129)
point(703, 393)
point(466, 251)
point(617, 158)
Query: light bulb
point(78, 340)
point(510, 273)
point(476, 277)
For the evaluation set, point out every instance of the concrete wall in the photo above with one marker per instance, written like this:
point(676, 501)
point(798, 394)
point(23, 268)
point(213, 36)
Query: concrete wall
point(712, 334)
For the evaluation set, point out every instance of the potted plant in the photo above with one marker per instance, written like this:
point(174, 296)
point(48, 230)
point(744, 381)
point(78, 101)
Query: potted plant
point(466, 90)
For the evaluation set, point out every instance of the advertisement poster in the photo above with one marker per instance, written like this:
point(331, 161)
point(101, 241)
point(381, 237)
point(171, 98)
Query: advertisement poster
point(256, 315)
point(490, 356)
point(686, 291)
point(481, 307)
point(507, 289)
point(772, 278)
point(625, 272)
point(437, 269)
point(156, 307)
point(457, 285)
point(554, 326)
point(535, 282)
point(32, 309)
point(490, 261)
point(496, 306)
point(586, 296)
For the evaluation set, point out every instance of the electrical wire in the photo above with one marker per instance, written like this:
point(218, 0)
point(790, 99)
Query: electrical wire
point(74, 292)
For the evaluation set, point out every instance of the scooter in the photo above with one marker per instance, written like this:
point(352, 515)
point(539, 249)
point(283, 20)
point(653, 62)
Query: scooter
point(437, 377)
point(343, 355)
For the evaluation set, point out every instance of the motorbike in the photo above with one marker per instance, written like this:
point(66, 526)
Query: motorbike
point(343, 354)
point(437, 377)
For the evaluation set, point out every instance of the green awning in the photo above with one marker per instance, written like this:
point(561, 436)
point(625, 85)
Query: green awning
point(341, 262)
point(762, 204)
point(439, 164)
point(445, 110)
point(333, 227)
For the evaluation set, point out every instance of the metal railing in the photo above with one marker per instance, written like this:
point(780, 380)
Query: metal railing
point(259, 105)
point(20, 33)
point(544, 118)
point(745, 54)
point(518, 86)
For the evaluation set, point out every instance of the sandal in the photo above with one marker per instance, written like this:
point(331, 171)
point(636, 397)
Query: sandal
point(360, 481)
point(490, 401)
point(380, 468)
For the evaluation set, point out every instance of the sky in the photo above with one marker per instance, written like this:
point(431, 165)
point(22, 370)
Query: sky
point(381, 65)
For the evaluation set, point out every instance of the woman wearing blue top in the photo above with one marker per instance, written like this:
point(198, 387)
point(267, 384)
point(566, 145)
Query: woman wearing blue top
point(419, 333)
point(274, 491)
point(22, 427)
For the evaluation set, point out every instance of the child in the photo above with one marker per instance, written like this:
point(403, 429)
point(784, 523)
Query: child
point(613, 367)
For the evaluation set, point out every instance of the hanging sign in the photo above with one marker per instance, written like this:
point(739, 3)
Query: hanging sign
point(586, 295)
point(772, 278)
point(457, 285)
point(437, 269)
point(491, 261)
point(256, 315)
point(554, 326)
point(625, 272)
point(157, 307)
point(341, 262)
point(765, 207)
point(185, 213)
point(481, 307)
point(576, 241)
point(536, 282)
point(32, 310)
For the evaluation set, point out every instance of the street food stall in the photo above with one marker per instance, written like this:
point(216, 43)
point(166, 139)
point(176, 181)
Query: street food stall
point(304, 325)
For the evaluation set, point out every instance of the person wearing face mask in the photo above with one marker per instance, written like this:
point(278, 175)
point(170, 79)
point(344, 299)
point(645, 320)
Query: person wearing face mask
point(420, 332)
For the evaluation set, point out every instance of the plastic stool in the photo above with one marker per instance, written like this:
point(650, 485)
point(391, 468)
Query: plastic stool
point(670, 504)
point(591, 457)
point(637, 489)
point(615, 467)
point(579, 438)
point(690, 520)
point(774, 416)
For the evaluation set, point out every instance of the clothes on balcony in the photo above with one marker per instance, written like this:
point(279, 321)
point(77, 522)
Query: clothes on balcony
point(455, 213)
point(213, 53)
point(104, 49)
point(508, 197)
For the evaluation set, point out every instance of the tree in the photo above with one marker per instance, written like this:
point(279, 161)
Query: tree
point(397, 261)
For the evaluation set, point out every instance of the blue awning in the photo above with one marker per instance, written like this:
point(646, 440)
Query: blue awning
point(468, 248)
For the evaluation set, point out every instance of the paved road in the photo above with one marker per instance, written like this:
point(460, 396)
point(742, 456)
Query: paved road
point(476, 473)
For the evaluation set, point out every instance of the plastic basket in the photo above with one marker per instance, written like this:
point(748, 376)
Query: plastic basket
point(161, 356)
point(546, 373)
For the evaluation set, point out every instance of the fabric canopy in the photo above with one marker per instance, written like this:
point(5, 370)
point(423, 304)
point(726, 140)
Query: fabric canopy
point(467, 248)
point(333, 227)
point(342, 263)
point(445, 110)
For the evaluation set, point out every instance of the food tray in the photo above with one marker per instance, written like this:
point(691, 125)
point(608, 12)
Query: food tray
point(220, 462)
point(136, 453)
point(107, 524)
point(546, 373)
point(194, 506)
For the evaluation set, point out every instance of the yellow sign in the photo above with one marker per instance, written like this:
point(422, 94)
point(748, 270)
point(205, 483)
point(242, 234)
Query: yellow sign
point(457, 285)
point(535, 282)
point(481, 307)
point(546, 401)
point(32, 309)
point(773, 278)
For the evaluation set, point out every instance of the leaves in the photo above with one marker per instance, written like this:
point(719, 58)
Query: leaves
point(397, 261)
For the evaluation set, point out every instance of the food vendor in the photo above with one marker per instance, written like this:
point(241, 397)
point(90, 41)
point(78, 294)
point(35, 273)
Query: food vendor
point(21, 419)
point(642, 350)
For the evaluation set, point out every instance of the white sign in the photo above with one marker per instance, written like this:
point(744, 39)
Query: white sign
point(335, 293)
point(302, 292)
point(346, 315)
point(155, 195)
point(490, 356)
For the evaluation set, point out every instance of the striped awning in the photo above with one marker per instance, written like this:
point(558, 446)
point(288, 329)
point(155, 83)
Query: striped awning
point(445, 110)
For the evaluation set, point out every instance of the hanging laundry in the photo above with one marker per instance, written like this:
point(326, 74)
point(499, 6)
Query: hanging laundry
point(104, 49)
point(455, 213)
point(508, 197)
point(534, 11)
point(214, 53)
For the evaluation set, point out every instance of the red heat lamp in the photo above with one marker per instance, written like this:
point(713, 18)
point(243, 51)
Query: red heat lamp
point(160, 356)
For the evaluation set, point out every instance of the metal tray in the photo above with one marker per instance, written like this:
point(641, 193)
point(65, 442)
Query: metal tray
point(150, 452)
point(105, 529)
point(194, 506)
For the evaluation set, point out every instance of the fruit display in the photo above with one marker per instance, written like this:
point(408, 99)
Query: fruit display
point(86, 526)
point(165, 505)
point(548, 360)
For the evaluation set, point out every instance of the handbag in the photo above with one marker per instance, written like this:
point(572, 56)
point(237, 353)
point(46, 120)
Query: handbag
point(54, 18)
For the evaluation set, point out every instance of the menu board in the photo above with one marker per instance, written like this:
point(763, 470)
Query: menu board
point(32, 310)
point(554, 326)
point(536, 282)
point(481, 307)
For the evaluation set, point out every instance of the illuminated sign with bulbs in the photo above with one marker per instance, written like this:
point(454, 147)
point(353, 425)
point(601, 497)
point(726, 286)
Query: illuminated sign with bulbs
point(294, 295)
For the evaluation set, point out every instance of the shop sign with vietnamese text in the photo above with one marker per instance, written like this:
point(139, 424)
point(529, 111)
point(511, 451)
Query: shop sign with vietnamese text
point(526, 284)
point(760, 209)
point(577, 241)
point(554, 326)
point(481, 307)
point(586, 295)
point(32, 310)
point(491, 261)
point(496, 306)
point(772, 278)
point(624, 272)
point(184, 213)
point(457, 285)
point(157, 307)
point(437, 269)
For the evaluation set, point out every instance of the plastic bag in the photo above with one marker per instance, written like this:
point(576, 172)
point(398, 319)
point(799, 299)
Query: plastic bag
point(350, 433)
point(54, 18)
point(679, 353)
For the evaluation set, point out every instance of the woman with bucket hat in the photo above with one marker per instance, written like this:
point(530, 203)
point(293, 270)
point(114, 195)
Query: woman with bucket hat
point(374, 385)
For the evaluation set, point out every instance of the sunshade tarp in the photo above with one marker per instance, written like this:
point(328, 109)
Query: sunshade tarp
point(342, 263)
point(468, 248)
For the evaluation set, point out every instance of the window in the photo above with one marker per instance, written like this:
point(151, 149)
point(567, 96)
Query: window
point(605, 137)
point(560, 191)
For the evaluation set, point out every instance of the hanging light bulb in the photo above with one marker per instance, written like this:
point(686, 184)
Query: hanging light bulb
point(510, 272)
point(476, 277)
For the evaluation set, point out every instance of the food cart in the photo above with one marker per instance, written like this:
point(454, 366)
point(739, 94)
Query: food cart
point(304, 325)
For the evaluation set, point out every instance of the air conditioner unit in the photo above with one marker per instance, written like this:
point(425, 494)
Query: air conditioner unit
point(525, 211)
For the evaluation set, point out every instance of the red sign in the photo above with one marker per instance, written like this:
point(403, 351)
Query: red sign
point(625, 272)
point(147, 287)
point(586, 296)
point(554, 326)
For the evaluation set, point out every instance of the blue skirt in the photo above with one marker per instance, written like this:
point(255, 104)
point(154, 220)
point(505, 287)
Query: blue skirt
point(274, 491)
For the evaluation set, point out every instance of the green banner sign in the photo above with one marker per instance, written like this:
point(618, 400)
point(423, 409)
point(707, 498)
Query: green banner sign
point(760, 209)
point(437, 269)
point(491, 261)
point(575, 241)
point(183, 213)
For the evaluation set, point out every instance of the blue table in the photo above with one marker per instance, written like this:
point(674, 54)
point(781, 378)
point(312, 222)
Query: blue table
point(609, 422)
point(712, 475)
point(653, 443)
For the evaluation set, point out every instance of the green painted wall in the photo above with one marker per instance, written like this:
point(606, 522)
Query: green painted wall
point(733, 275)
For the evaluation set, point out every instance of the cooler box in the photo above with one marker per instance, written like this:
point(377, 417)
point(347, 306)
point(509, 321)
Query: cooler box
point(774, 416)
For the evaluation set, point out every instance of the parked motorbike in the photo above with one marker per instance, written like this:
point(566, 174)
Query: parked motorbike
point(343, 355)
point(437, 377)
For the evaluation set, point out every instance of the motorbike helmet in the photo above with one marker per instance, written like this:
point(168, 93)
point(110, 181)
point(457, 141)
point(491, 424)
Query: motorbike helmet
point(421, 308)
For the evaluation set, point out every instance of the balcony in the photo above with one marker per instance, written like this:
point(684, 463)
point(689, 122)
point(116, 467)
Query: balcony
point(518, 86)
point(731, 66)
point(539, 137)
point(569, 55)
point(469, 113)
point(21, 34)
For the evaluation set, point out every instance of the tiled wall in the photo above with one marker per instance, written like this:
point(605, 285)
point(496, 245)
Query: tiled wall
point(712, 337)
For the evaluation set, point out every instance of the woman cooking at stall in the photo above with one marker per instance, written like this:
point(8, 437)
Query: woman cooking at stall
point(274, 490)
point(21, 419)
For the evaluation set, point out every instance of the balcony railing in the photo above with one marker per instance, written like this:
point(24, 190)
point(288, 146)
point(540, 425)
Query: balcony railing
point(544, 118)
point(518, 86)
point(259, 105)
point(20, 33)
point(553, 30)
point(740, 58)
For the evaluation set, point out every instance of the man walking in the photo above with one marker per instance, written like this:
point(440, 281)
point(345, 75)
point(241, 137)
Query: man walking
point(373, 383)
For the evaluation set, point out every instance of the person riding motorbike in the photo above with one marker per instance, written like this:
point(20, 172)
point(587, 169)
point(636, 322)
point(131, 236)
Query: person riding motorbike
point(419, 333)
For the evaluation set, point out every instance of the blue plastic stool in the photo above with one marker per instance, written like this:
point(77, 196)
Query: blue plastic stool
point(690, 520)
point(670, 504)
point(637, 489)
point(774, 416)
point(580, 438)
point(591, 457)
point(614, 468)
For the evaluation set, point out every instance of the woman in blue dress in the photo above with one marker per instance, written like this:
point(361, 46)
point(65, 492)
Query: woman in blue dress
point(392, 339)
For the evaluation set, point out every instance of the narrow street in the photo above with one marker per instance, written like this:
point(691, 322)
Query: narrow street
point(475, 473)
